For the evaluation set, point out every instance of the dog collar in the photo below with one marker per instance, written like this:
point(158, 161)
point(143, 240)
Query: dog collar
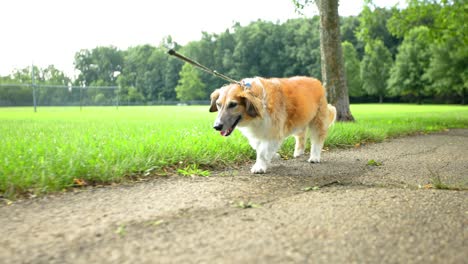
point(247, 83)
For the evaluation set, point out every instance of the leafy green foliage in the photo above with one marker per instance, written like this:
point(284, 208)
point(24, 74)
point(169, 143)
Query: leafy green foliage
point(442, 17)
point(375, 68)
point(373, 26)
point(349, 27)
point(445, 23)
point(448, 69)
point(353, 70)
point(98, 66)
point(134, 96)
point(193, 170)
point(407, 75)
point(150, 72)
point(190, 86)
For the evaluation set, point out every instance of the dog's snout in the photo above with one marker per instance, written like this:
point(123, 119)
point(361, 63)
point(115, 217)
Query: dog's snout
point(218, 126)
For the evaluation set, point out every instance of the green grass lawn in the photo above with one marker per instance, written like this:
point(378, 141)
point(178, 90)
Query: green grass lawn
point(48, 150)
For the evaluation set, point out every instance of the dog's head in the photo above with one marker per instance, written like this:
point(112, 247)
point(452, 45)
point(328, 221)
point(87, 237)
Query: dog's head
point(234, 104)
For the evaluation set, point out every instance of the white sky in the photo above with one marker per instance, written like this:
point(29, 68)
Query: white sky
point(47, 32)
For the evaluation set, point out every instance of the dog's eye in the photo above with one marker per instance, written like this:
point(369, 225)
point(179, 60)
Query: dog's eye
point(232, 104)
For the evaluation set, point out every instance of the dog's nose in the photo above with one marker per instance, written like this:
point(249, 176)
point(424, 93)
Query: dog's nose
point(218, 126)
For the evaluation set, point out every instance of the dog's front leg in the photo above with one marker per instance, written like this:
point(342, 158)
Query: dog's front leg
point(266, 150)
point(254, 143)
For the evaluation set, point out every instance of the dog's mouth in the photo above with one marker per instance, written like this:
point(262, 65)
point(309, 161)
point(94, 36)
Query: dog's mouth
point(228, 131)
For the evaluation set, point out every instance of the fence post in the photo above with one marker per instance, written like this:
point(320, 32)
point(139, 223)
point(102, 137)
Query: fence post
point(81, 96)
point(118, 92)
point(33, 84)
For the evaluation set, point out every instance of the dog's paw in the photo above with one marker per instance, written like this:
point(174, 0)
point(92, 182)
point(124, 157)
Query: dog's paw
point(258, 168)
point(314, 160)
point(298, 153)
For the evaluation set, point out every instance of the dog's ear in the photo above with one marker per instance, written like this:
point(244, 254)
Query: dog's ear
point(214, 96)
point(253, 104)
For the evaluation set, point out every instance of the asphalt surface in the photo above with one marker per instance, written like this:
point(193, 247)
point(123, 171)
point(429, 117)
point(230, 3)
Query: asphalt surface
point(343, 210)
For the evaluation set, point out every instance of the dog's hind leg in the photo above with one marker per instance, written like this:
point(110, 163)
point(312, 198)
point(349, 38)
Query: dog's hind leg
point(319, 129)
point(318, 133)
point(300, 143)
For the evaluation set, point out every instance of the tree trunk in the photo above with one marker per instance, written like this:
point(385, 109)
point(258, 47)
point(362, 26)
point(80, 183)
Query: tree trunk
point(333, 73)
point(380, 99)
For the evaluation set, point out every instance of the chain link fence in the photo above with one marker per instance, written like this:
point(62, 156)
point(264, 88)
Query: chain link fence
point(61, 95)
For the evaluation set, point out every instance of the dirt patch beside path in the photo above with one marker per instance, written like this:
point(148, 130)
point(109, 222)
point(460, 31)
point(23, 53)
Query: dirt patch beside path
point(353, 212)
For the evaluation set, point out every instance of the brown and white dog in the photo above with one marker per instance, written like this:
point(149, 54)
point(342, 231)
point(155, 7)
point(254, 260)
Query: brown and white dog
point(267, 111)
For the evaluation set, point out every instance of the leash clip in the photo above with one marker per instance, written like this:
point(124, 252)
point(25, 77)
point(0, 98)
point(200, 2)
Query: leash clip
point(247, 83)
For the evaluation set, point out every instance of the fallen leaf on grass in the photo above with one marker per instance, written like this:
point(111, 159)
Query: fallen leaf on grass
point(79, 182)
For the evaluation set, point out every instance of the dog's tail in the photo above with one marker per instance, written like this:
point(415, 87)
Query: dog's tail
point(331, 114)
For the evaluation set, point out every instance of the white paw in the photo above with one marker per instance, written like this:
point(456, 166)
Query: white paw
point(298, 153)
point(314, 160)
point(315, 153)
point(258, 168)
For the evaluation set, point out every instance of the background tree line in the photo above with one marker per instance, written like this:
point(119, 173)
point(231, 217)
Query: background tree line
point(418, 54)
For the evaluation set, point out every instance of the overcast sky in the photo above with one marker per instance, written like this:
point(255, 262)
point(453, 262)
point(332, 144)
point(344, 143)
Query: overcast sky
point(47, 32)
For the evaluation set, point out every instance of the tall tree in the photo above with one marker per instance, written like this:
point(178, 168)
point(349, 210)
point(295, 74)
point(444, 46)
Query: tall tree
point(448, 70)
point(143, 66)
point(300, 52)
point(373, 25)
point(98, 66)
point(353, 67)
point(375, 68)
point(256, 50)
point(333, 70)
point(349, 27)
point(446, 23)
point(190, 86)
point(412, 61)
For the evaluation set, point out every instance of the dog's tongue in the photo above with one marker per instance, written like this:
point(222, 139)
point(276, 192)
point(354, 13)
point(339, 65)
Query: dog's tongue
point(226, 132)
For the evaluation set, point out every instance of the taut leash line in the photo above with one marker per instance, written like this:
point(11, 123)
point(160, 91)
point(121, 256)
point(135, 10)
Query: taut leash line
point(202, 67)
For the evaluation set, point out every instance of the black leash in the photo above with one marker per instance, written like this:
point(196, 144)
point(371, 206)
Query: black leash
point(204, 68)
